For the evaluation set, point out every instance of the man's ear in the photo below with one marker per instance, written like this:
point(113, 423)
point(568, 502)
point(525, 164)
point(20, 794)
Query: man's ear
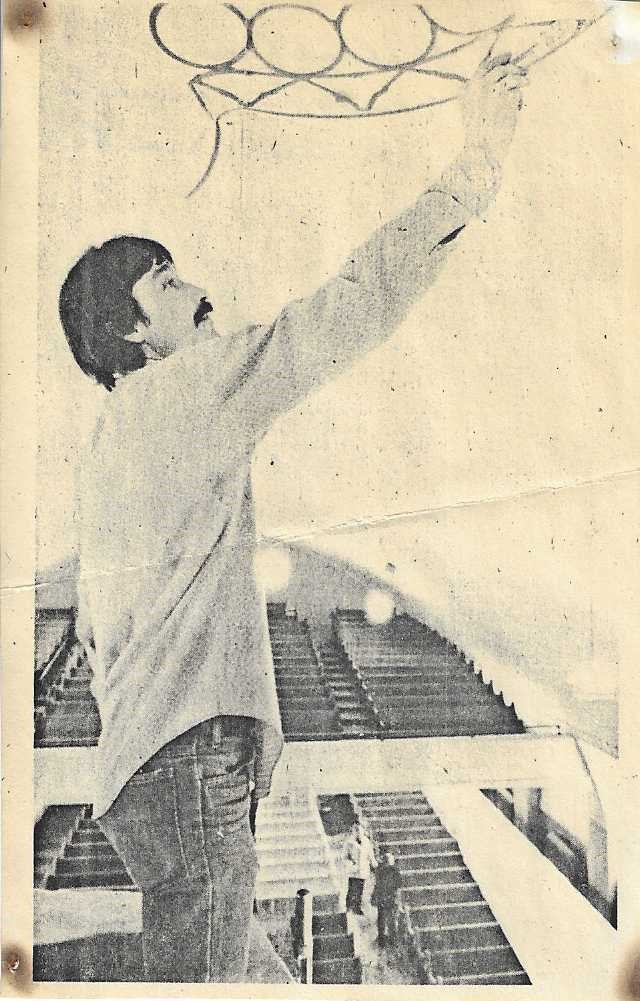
point(138, 335)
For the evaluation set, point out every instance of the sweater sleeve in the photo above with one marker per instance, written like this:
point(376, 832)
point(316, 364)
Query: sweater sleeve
point(318, 337)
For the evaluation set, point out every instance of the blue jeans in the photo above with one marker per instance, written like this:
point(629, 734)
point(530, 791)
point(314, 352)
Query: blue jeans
point(181, 825)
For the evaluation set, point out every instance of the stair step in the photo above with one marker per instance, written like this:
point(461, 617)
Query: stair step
point(329, 924)
point(281, 888)
point(90, 867)
point(446, 894)
point(464, 962)
point(391, 798)
point(117, 880)
point(90, 850)
point(281, 859)
point(415, 842)
point(293, 818)
point(469, 936)
point(414, 847)
point(508, 978)
point(308, 716)
point(89, 838)
point(451, 915)
point(344, 971)
point(425, 878)
point(398, 812)
point(445, 701)
point(326, 904)
point(303, 702)
point(391, 825)
point(332, 947)
point(426, 862)
point(294, 872)
point(299, 834)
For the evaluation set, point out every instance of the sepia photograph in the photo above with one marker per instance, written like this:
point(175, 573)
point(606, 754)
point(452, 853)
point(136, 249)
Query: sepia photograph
point(333, 523)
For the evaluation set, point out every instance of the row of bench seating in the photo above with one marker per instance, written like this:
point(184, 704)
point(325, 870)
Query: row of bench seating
point(448, 932)
point(71, 850)
point(356, 711)
point(307, 707)
point(72, 853)
point(419, 684)
point(399, 680)
point(51, 834)
point(57, 717)
point(84, 857)
point(69, 716)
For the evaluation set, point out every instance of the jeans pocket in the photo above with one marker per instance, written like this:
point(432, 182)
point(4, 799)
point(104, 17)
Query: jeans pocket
point(225, 800)
point(143, 827)
point(229, 758)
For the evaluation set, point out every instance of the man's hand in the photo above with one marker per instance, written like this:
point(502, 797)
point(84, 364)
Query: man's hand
point(491, 102)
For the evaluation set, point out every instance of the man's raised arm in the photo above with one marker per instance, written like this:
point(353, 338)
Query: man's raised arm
point(319, 336)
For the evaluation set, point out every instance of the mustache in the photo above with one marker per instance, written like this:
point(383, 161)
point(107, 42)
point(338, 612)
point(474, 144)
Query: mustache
point(203, 310)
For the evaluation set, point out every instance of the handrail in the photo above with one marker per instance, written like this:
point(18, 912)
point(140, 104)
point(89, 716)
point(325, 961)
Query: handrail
point(304, 915)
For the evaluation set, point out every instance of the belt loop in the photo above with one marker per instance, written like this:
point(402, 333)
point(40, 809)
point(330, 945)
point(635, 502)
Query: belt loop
point(216, 731)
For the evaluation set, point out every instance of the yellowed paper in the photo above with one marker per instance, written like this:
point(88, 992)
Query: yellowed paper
point(463, 486)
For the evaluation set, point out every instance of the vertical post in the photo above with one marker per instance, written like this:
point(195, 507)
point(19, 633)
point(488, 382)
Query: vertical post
point(527, 814)
point(598, 859)
point(307, 939)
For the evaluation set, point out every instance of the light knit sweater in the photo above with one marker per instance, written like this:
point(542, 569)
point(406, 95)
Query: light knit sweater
point(170, 611)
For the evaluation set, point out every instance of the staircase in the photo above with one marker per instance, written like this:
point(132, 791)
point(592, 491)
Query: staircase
point(51, 835)
point(88, 860)
point(293, 854)
point(452, 929)
point(334, 959)
point(307, 707)
point(68, 715)
point(356, 712)
point(293, 850)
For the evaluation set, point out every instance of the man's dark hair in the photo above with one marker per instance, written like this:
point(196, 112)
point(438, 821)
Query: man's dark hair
point(98, 310)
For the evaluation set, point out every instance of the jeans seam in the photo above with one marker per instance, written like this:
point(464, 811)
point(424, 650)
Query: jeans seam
point(205, 855)
point(216, 734)
point(174, 797)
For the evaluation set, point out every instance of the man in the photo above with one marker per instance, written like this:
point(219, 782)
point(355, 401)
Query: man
point(362, 862)
point(385, 895)
point(170, 613)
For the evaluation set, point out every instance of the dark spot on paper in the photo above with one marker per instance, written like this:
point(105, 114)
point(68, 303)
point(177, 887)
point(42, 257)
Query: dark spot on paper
point(629, 979)
point(16, 969)
point(24, 15)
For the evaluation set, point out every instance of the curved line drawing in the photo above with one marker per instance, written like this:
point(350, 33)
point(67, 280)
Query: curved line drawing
point(223, 78)
point(288, 6)
point(350, 118)
point(388, 66)
point(471, 34)
point(153, 27)
point(213, 158)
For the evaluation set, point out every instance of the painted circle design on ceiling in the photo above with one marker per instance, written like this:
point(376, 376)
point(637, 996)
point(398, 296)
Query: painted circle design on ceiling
point(202, 35)
point(296, 61)
point(469, 18)
point(388, 38)
point(298, 41)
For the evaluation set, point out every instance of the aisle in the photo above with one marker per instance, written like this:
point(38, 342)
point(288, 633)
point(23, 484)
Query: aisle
point(379, 966)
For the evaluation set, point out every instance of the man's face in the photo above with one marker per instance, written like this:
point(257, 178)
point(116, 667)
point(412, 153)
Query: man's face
point(176, 311)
